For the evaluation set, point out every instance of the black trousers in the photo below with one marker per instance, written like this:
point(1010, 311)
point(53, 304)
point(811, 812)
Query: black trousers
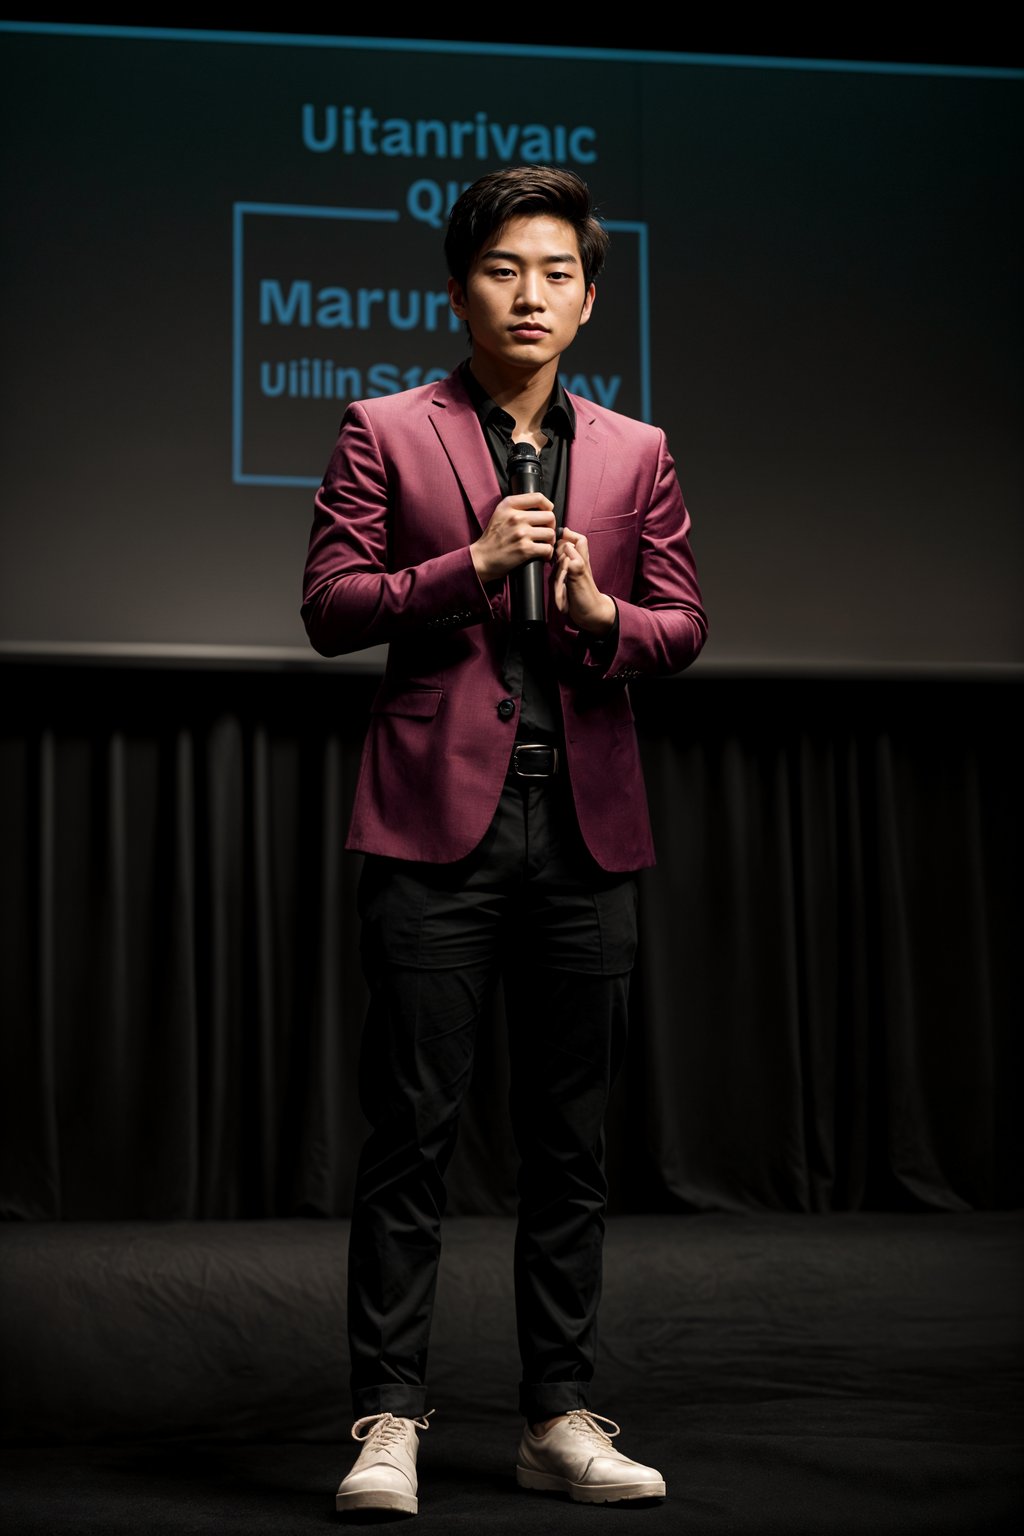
point(529, 906)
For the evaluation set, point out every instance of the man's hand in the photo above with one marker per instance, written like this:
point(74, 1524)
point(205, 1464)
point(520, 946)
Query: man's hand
point(521, 528)
point(575, 590)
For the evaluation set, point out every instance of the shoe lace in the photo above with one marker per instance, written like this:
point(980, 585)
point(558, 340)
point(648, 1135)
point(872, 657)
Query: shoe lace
point(385, 1428)
point(589, 1424)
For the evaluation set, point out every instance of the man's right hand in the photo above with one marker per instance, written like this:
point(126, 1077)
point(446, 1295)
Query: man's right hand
point(521, 528)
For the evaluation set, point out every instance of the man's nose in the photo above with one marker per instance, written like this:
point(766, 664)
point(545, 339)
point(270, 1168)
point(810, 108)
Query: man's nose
point(531, 291)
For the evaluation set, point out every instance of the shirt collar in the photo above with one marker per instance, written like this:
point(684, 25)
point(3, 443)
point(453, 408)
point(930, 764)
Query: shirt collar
point(560, 416)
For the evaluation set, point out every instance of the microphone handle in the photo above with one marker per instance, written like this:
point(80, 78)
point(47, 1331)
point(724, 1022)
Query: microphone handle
point(527, 579)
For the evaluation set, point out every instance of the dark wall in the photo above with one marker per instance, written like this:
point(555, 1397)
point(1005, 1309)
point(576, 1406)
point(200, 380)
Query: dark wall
point(814, 288)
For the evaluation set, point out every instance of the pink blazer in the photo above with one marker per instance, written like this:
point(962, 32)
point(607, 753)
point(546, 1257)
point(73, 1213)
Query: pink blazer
point(409, 486)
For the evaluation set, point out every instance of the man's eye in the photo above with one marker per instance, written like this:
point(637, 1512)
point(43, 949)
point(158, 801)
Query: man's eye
point(501, 272)
point(560, 275)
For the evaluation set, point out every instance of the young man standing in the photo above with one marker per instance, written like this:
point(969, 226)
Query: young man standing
point(500, 808)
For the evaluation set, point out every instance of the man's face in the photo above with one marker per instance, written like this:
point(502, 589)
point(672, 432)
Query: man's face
point(525, 297)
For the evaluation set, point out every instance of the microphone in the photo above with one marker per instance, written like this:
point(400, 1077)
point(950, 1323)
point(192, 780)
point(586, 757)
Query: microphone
point(524, 474)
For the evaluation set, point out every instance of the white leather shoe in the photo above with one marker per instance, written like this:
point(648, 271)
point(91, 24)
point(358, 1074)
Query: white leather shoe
point(384, 1475)
point(576, 1456)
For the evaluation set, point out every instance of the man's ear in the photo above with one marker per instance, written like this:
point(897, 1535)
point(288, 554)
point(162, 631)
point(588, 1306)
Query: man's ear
point(456, 298)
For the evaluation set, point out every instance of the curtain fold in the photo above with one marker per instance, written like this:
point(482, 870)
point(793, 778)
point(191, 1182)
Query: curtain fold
point(824, 1013)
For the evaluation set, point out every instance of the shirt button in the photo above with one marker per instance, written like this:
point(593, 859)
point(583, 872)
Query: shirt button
point(506, 709)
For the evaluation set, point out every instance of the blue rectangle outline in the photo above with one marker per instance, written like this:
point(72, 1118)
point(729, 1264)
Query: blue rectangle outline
point(388, 216)
point(277, 210)
point(594, 54)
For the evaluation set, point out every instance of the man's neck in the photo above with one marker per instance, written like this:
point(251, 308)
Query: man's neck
point(525, 396)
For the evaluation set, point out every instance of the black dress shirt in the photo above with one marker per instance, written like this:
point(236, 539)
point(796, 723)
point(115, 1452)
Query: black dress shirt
point(528, 669)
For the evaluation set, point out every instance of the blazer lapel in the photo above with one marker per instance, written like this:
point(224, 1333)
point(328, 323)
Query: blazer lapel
point(586, 471)
point(458, 426)
point(586, 468)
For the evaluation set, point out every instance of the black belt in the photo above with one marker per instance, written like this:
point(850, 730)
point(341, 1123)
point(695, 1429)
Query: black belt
point(534, 760)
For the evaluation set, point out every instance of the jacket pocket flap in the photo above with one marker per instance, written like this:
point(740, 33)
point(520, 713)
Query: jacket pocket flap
point(419, 703)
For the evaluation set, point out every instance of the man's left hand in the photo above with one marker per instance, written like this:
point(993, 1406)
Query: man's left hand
point(575, 591)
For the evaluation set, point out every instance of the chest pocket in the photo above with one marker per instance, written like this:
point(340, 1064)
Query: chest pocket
point(621, 524)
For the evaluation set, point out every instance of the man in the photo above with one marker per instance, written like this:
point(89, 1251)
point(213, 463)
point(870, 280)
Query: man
point(500, 808)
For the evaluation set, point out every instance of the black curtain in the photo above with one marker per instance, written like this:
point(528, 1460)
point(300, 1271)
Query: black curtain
point(824, 1012)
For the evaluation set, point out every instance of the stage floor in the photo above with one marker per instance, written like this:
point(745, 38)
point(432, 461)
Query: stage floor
point(788, 1374)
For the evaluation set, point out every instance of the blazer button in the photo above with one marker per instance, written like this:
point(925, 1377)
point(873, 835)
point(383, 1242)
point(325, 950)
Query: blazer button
point(506, 709)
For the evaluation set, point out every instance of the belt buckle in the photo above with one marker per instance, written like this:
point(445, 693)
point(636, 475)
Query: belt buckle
point(534, 746)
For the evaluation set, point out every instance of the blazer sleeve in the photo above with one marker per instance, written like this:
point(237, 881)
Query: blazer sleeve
point(350, 596)
point(662, 625)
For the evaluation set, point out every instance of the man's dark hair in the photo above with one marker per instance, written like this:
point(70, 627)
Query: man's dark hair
point(515, 193)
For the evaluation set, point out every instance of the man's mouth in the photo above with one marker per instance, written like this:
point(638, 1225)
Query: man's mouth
point(529, 328)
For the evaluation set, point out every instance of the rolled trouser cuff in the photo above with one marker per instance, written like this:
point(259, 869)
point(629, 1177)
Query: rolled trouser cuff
point(547, 1399)
point(405, 1402)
